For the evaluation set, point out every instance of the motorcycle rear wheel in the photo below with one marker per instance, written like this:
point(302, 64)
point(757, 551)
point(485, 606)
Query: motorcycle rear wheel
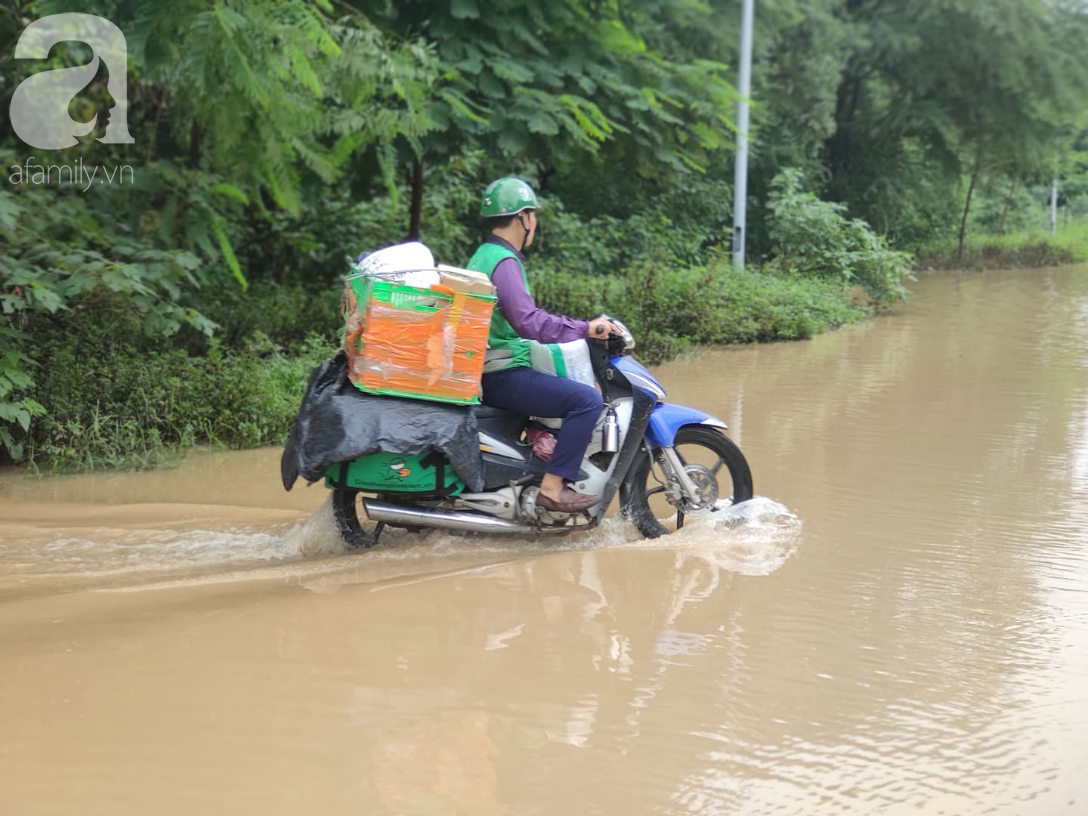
point(695, 445)
point(346, 509)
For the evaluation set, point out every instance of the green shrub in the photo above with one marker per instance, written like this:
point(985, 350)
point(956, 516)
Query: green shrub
point(814, 237)
point(677, 225)
point(672, 310)
point(124, 404)
point(55, 252)
point(285, 313)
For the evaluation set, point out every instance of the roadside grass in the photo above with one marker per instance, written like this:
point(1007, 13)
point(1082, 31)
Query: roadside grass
point(135, 409)
point(672, 311)
point(1025, 248)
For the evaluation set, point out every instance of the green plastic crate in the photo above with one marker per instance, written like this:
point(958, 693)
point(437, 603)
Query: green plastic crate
point(398, 294)
point(396, 473)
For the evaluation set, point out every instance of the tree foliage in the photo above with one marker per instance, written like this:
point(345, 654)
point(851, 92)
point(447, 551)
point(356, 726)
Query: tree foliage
point(934, 90)
point(243, 111)
point(275, 138)
point(550, 83)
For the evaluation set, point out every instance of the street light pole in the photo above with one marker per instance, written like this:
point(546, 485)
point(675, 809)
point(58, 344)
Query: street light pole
point(740, 182)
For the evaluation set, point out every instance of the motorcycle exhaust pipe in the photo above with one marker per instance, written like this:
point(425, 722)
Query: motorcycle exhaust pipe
point(398, 516)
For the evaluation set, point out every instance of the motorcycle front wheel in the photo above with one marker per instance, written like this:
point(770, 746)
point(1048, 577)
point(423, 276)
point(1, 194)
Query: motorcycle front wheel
point(714, 462)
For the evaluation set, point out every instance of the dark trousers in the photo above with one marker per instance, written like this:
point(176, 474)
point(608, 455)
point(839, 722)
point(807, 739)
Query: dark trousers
point(525, 391)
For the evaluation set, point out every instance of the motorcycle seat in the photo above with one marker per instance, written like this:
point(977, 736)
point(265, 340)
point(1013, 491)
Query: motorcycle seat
point(491, 412)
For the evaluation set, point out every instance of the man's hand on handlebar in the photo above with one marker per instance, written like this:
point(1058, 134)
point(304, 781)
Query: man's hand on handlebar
point(599, 329)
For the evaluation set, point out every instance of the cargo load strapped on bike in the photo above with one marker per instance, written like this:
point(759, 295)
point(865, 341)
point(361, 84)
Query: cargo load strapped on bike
point(415, 332)
point(392, 424)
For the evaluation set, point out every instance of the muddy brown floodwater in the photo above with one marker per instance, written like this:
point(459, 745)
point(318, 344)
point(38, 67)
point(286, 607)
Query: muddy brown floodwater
point(898, 624)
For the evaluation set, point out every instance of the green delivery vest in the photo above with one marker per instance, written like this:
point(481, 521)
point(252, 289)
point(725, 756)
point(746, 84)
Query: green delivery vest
point(505, 347)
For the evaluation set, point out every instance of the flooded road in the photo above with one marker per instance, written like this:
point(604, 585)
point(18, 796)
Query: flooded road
point(898, 624)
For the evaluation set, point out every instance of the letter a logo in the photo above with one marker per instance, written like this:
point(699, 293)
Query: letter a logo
point(39, 106)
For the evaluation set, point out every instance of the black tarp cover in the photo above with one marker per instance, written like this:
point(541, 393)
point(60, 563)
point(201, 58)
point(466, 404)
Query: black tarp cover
point(337, 422)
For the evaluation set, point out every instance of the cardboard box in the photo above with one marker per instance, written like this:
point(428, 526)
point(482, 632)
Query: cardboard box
point(465, 280)
point(420, 343)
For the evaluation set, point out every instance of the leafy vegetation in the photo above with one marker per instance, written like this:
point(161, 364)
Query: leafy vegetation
point(1024, 248)
point(672, 310)
point(120, 405)
point(816, 238)
point(182, 300)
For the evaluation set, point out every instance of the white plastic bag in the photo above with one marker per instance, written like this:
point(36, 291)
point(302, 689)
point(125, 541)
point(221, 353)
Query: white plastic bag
point(569, 360)
point(411, 264)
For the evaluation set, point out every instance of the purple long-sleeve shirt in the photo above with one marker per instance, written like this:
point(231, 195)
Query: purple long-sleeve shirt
point(521, 311)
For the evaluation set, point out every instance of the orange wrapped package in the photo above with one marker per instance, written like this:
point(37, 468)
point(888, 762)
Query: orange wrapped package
point(420, 343)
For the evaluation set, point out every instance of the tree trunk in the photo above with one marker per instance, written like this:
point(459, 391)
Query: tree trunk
point(545, 176)
point(416, 210)
point(1054, 209)
point(841, 146)
point(1005, 212)
point(967, 205)
point(194, 146)
point(155, 127)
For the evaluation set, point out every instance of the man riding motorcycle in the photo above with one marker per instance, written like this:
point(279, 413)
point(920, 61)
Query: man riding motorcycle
point(509, 382)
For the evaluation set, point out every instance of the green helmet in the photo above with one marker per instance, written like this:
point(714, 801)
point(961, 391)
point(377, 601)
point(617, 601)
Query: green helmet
point(507, 196)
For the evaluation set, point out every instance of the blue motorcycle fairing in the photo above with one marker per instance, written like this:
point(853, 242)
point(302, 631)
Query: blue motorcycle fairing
point(639, 376)
point(667, 419)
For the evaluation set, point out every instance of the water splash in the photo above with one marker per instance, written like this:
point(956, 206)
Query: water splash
point(110, 550)
point(755, 538)
point(315, 537)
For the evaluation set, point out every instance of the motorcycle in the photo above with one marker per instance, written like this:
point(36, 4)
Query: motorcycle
point(659, 457)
